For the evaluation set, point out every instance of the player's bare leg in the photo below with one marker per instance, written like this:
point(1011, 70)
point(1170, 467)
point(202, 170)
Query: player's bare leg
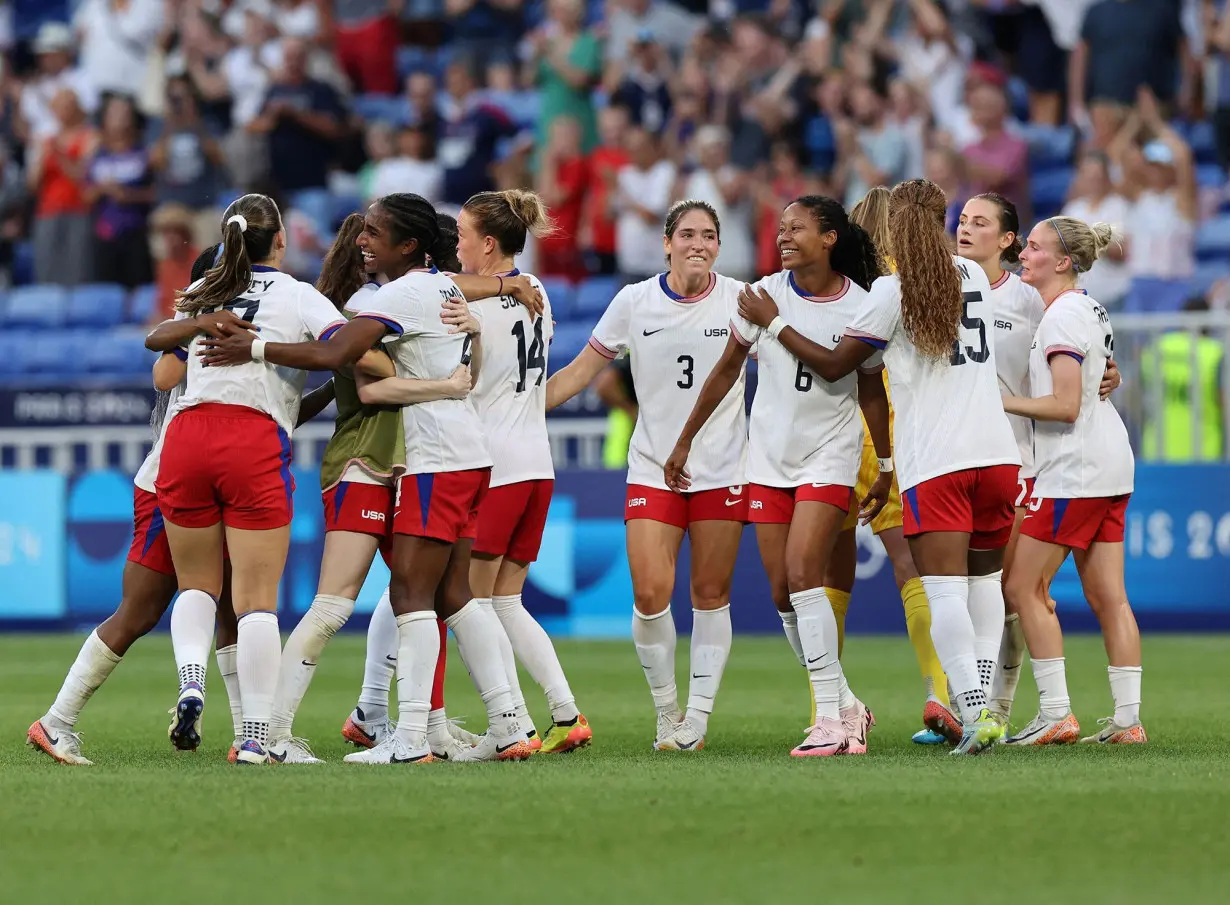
point(653, 550)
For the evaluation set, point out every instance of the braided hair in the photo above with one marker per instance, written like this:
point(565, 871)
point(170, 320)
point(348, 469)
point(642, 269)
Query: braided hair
point(854, 255)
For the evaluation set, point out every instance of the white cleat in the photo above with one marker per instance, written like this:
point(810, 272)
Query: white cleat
point(467, 738)
point(686, 737)
point(391, 751)
point(1043, 730)
point(185, 728)
point(63, 745)
point(668, 722)
point(505, 740)
point(445, 747)
point(292, 751)
point(1111, 733)
point(364, 733)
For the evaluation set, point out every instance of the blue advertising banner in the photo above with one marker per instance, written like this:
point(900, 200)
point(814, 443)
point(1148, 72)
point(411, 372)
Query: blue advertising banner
point(63, 545)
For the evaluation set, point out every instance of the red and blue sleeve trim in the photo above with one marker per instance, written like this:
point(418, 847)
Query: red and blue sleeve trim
point(868, 338)
point(392, 325)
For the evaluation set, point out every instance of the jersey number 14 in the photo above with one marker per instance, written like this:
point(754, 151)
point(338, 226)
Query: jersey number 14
point(531, 357)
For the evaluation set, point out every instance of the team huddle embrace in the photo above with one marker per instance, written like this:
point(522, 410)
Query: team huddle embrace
point(998, 455)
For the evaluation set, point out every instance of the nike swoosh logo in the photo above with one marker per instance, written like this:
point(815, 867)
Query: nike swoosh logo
point(394, 759)
point(1010, 668)
point(733, 502)
point(815, 659)
point(390, 659)
point(688, 745)
point(274, 757)
point(652, 332)
point(309, 663)
point(54, 741)
point(1032, 734)
point(695, 676)
point(499, 750)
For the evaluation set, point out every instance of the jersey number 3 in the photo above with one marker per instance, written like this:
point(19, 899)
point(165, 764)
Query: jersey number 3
point(982, 353)
point(531, 358)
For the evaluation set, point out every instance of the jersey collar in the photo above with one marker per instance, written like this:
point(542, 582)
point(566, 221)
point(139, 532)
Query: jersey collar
point(686, 299)
point(264, 268)
point(845, 287)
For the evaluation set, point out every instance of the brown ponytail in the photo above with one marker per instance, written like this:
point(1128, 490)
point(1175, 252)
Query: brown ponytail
point(249, 227)
point(343, 273)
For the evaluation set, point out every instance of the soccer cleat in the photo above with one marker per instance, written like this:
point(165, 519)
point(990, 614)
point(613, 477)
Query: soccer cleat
point(979, 735)
point(467, 738)
point(562, 738)
point(826, 738)
point(857, 720)
point(444, 747)
point(534, 741)
point(251, 753)
point(365, 733)
point(1042, 730)
point(668, 722)
point(505, 740)
point(391, 751)
point(686, 737)
point(927, 737)
point(942, 721)
point(63, 745)
point(1002, 718)
point(1113, 734)
point(233, 755)
point(292, 751)
point(185, 729)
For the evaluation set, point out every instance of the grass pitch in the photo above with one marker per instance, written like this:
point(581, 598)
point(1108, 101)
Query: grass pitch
point(737, 822)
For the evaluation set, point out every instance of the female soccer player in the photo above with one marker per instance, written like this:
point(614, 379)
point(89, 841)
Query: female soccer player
point(1085, 472)
point(803, 452)
point(674, 326)
point(447, 469)
point(510, 395)
point(957, 457)
point(148, 587)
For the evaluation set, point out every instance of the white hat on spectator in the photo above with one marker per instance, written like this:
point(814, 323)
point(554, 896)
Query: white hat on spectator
point(53, 37)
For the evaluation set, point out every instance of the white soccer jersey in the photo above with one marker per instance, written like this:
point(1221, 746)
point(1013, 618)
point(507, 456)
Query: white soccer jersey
point(949, 412)
point(511, 392)
point(803, 430)
point(1018, 310)
point(361, 296)
point(284, 310)
point(444, 435)
point(1093, 457)
point(674, 343)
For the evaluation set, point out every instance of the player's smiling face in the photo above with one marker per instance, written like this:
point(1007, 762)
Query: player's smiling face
point(380, 253)
point(693, 246)
point(800, 240)
point(979, 237)
point(1041, 257)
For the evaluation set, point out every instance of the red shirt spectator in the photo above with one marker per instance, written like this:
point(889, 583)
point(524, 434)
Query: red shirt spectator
point(604, 162)
point(563, 178)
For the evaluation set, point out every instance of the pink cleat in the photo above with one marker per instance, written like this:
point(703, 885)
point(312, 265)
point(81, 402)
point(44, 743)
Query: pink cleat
point(826, 738)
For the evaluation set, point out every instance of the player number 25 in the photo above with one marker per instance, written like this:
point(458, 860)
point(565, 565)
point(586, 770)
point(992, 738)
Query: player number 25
point(971, 323)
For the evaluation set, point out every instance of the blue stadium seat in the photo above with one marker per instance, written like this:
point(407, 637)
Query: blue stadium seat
point(1210, 175)
point(317, 204)
point(52, 352)
point(1048, 190)
point(343, 206)
point(13, 347)
point(36, 306)
point(1207, 274)
point(1213, 239)
point(381, 108)
point(23, 263)
point(97, 305)
point(1050, 147)
point(569, 340)
point(1203, 139)
point(1148, 294)
point(142, 304)
point(561, 293)
point(118, 351)
point(594, 295)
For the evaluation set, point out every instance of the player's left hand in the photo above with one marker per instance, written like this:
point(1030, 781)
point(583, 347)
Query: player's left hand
point(457, 314)
point(521, 289)
point(1111, 379)
point(757, 306)
point(231, 347)
point(876, 498)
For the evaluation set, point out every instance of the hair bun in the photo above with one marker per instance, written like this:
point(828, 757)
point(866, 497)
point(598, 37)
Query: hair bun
point(239, 219)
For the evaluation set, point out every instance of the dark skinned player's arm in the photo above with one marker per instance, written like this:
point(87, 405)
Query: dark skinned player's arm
point(315, 402)
point(724, 375)
point(873, 400)
point(827, 364)
point(344, 347)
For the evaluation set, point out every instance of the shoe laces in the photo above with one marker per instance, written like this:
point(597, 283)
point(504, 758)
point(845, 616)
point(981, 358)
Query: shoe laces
point(73, 741)
point(301, 744)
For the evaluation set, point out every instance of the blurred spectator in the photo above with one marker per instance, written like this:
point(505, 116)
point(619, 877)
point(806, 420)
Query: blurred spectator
point(13, 200)
point(999, 160)
point(714, 180)
point(298, 18)
point(597, 235)
point(303, 119)
point(942, 165)
point(365, 34)
point(424, 106)
point(562, 180)
point(1093, 198)
point(829, 98)
point(470, 137)
point(1218, 20)
point(782, 183)
point(412, 168)
point(117, 37)
point(759, 89)
point(643, 195)
point(643, 88)
point(55, 72)
point(568, 62)
point(872, 151)
point(174, 230)
point(906, 113)
point(62, 235)
point(379, 144)
point(1038, 36)
point(488, 27)
point(186, 159)
point(931, 56)
point(669, 25)
point(119, 185)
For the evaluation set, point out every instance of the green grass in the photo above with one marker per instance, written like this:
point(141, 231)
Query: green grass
point(738, 822)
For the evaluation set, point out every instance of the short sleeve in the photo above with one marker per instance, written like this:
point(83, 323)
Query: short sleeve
point(320, 319)
point(611, 334)
point(1063, 332)
point(744, 331)
point(397, 305)
point(878, 319)
point(873, 364)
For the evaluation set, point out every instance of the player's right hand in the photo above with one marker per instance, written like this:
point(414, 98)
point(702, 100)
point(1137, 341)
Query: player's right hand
point(221, 323)
point(521, 289)
point(459, 383)
point(675, 471)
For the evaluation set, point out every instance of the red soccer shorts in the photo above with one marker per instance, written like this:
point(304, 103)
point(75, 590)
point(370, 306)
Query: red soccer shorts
point(360, 508)
point(1077, 523)
point(723, 504)
point(149, 537)
point(442, 506)
point(775, 505)
point(1024, 492)
point(511, 519)
point(225, 463)
point(976, 501)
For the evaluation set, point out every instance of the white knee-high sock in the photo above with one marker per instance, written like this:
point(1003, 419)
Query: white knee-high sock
point(818, 638)
point(534, 649)
point(711, 636)
point(417, 653)
point(1052, 679)
point(790, 625)
point(509, 659)
point(477, 631)
point(93, 664)
point(952, 633)
point(654, 637)
point(1125, 689)
point(986, 612)
point(259, 656)
point(192, 635)
point(228, 665)
point(321, 622)
point(1008, 669)
point(381, 660)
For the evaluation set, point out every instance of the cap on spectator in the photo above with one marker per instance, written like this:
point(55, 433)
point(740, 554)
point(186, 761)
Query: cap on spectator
point(53, 37)
point(989, 73)
point(645, 36)
point(1158, 152)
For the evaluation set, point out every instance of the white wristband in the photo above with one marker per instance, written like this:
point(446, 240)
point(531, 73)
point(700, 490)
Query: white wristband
point(776, 326)
point(886, 464)
point(258, 350)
